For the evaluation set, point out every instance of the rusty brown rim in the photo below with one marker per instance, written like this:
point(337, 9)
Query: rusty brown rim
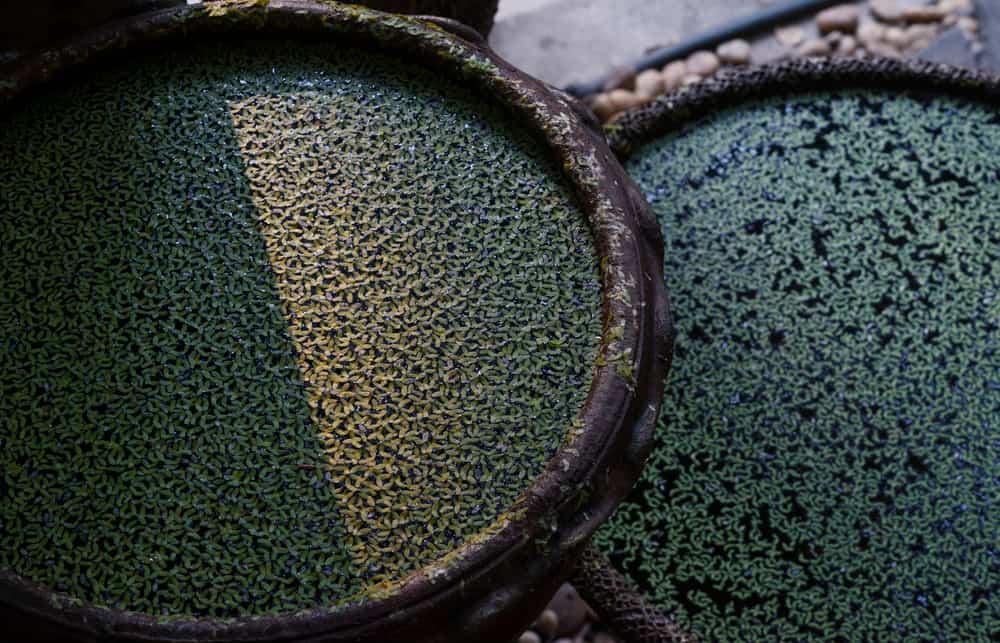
point(616, 599)
point(492, 585)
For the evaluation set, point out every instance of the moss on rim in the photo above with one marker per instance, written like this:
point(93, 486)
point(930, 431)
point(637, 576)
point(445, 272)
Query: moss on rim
point(277, 330)
point(826, 464)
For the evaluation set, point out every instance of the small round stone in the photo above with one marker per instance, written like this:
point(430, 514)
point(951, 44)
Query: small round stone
point(870, 33)
point(603, 106)
point(673, 74)
point(622, 99)
point(969, 25)
point(790, 36)
point(734, 52)
point(921, 32)
point(956, 6)
point(843, 17)
point(920, 36)
point(883, 49)
point(886, 10)
point(813, 48)
point(924, 13)
point(571, 609)
point(847, 46)
point(691, 79)
point(547, 623)
point(620, 78)
point(897, 37)
point(703, 63)
point(650, 83)
point(529, 637)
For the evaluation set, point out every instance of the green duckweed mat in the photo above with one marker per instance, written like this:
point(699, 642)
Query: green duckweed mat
point(827, 466)
point(279, 323)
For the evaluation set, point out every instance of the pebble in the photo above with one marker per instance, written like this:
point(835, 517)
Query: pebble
point(734, 52)
point(870, 33)
point(812, 48)
point(623, 99)
point(922, 31)
point(572, 611)
point(955, 6)
point(924, 13)
point(620, 78)
point(843, 17)
point(833, 37)
point(969, 25)
point(691, 79)
point(650, 83)
point(673, 74)
point(886, 10)
point(703, 63)
point(882, 49)
point(529, 637)
point(602, 106)
point(897, 37)
point(847, 46)
point(547, 623)
point(789, 36)
point(918, 34)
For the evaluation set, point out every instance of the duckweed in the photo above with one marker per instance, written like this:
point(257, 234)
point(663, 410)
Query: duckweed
point(279, 323)
point(827, 466)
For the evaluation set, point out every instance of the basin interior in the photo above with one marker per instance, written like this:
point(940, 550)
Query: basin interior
point(281, 322)
point(828, 458)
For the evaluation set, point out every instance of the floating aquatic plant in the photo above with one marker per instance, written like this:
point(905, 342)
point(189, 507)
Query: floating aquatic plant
point(826, 465)
point(279, 323)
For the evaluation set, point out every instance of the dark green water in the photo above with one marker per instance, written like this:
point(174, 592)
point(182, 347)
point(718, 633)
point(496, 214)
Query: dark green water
point(279, 323)
point(827, 466)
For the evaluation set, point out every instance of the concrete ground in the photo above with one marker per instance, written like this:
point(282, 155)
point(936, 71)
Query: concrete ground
point(566, 41)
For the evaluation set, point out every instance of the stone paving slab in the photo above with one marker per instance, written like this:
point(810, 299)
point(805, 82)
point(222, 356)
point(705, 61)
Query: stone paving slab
point(952, 47)
point(988, 12)
point(568, 41)
point(510, 8)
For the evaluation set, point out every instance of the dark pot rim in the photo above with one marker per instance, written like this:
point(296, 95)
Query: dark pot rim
point(669, 112)
point(497, 581)
point(478, 14)
point(617, 600)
